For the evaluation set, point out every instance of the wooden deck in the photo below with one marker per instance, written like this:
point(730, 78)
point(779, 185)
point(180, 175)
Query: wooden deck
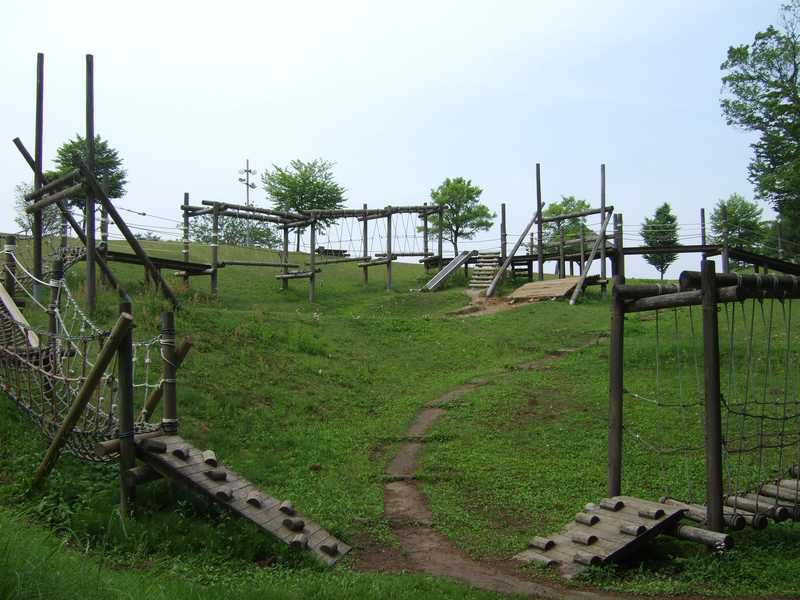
point(603, 532)
point(541, 290)
point(174, 458)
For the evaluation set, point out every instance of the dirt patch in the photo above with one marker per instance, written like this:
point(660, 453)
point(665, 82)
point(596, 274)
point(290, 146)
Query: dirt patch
point(424, 421)
point(480, 305)
point(403, 464)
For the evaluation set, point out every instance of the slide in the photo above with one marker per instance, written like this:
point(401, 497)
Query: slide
point(448, 270)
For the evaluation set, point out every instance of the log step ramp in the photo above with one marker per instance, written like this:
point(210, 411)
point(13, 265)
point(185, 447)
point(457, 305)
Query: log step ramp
point(602, 533)
point(174, 458)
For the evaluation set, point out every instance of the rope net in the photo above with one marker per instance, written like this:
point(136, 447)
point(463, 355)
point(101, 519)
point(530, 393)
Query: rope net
point(760, 390)
point(46, 355)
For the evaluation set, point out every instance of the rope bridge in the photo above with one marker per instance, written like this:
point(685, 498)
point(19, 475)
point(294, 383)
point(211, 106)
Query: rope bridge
point(45, 360)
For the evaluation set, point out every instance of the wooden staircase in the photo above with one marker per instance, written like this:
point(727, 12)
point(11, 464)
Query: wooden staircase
point(486, 268)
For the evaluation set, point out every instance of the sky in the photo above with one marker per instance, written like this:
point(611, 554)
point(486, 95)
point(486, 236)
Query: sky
point(399, 95)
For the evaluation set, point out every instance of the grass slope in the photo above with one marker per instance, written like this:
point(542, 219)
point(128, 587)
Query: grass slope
point(310, 402)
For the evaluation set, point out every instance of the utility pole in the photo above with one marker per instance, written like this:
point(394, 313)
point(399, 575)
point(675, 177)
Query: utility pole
point(247, 171)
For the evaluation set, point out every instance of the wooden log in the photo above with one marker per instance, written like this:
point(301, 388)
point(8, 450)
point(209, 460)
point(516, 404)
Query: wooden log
point(791, 504)
point(210, 458)
point(53, 185)
point(713, 539)
point(590, 560)
point(635, 292)
point(224, 493)
point(611, 504)
point(296, 274)
point(651, 513)
point(299, 542)
point(140, 475)
point(294, 524)
point(586, 518)
point(84, 395)
point(287, 508)
point(632, 529)
point(109, 447)
point(182, 452)
point(585, 539)
point(153, 445)
point(375, 263)
point(541, 543)
point(254, 499)
point(64, 194)
point(783, 491)
point(777, 513)
point(698, 514)
point(169, 417)
point(541, 559)
point(246, 263)
point(217, 474)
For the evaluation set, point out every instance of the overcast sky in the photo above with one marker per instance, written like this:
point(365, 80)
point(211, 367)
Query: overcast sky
point(400, 95)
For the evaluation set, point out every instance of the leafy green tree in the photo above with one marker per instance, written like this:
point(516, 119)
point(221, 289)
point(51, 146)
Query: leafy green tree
point(657, 232)
point(51, 216)
point(572, 227)
point(761, 94)
point(234, 232)
point(746, 230)
point(463, 214)
point(107, 165)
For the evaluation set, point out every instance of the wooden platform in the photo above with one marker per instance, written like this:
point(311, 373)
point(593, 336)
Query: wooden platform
point(238, 495)
point(543, 290)
point(603, 535)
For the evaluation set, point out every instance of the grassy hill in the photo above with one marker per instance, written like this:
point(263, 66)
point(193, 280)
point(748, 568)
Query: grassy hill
point(310, 402)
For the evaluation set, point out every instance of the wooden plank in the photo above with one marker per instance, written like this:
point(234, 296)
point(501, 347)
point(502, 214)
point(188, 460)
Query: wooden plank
point(549, 288)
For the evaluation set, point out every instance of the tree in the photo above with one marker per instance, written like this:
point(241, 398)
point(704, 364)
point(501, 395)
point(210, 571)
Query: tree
point(659, 231)
point(234, 232)
point(572, 226)
point(51, 216)
point(760, 94)
point(463, 215)
point(746, 230)
point(107, 165)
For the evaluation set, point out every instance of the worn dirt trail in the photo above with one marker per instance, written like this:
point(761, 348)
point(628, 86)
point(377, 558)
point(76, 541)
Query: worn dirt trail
point(426, 550)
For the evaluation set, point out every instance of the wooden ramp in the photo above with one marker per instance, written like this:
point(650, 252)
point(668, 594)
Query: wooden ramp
point(174, 458)
point(603, 532)
point(543, 290)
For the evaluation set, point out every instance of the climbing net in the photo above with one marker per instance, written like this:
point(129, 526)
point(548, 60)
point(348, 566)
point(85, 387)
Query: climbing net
point(46, 355)
point(760, 399)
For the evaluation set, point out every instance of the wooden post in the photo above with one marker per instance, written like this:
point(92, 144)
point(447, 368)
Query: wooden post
point(169, 413)
point(602, 231)
point(37, 172)
point(582, 238)
point(365, 244)
point(424, 239)
point(561, 263)
point(155, 396)
point(55, 301)
point(185, 250)
point(89, 224)
point(84, 395)
point(11, 265)
point(503, 237)
point(285, 257)
point(214, 249)
point(619, 244)
point(615, 376)
point(725, 258)
point(312, 261)
point(703, 226)
point(389, 249)
point(127, 448)
point(539, 240)
point(713, 412)
point(441, 239)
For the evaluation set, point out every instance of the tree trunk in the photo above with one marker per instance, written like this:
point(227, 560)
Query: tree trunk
point(298, 240)
point(455, 245)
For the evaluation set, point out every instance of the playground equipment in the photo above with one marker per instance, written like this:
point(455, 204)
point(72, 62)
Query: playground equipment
point(79, 384)
point(712, 423)
point(367, 237)
point(450, 268)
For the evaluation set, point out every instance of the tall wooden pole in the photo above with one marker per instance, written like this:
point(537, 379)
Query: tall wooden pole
point(214, 249)
point(582, 239)
point(169, 414)
point(725, 256)
point(503, 238)
point(713, 410)
point(561, 264)
point(127, 448)
point(615, 378)
point(285, 258)
point(11, 265)
point(37, 173)
point(389, 249)
point(703, 226)
point(91, 282)
point(312, 261)
point(539, 240)
point(602, 231)
point(365, 246)
point(185, 250)
point(440, 241)
point(424, 239)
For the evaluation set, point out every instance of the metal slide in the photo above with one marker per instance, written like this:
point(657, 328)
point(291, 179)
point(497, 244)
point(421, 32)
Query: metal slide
point(448, 270)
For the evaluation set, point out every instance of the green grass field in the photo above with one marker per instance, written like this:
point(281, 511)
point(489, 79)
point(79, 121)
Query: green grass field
point(276, 386)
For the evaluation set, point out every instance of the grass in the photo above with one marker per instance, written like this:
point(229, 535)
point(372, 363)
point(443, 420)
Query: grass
point(310, 402)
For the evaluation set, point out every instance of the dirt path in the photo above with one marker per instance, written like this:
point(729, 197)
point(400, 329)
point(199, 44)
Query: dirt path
point(479, 305)
point(426, 550)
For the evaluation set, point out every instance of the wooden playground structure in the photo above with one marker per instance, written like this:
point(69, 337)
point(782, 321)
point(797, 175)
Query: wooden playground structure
point(77, 381)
